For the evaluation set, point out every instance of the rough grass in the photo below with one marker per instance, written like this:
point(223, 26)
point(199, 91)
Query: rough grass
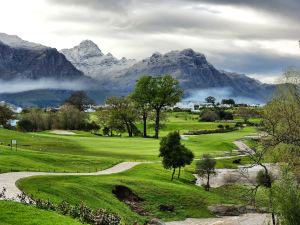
point(149, 181)
point(17, 214)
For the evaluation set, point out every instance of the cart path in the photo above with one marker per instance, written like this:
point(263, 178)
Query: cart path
point(245, 219)
point(8, 180)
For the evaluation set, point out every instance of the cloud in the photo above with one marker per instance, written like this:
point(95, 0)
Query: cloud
point(287, 8)
point(16, 86)
point(219, 94)
point(269, 29)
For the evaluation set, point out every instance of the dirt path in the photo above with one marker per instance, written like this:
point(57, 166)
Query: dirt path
point(8, 180)
point(246, 219)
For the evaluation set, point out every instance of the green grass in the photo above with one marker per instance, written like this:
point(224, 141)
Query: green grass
point(149, 181)
point(85, 152)
point(26, 160)
point(183, 122)
point(15, 213)
point(216, 144)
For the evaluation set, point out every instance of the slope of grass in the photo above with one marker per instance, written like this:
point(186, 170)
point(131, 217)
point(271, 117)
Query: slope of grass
point(149, 181)
point(17, 214)
point(85, 152)
point(26, 160)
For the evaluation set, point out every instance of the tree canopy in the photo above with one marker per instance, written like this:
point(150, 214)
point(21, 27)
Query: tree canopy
point(175, 155)
point(80, 100)
point(206, 168)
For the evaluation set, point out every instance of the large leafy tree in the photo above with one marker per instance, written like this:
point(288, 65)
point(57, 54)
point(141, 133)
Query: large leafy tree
point(175, 155)
point(142, 97)
point(5, 114)
point(281, 120)
point(165, 92)
point(80, 100)
point(122, 111)
point(211, 99)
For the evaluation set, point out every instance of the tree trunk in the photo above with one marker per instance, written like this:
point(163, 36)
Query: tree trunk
point(207, 184)
point(157, 123)
point(173, 173)
point(145, 125)
point(129, 130)
point(179, 172)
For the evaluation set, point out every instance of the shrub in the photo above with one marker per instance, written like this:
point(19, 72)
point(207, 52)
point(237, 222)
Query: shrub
point(25, 125)
point(220, 126)
point(209, 116)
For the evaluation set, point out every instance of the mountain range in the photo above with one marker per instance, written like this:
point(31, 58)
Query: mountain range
point(53, 74)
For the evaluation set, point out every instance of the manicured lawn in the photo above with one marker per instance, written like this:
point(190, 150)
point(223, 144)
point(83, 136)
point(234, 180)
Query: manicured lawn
point(86, 152)
point(17, 214)
point(216, 143)
point(149, 181)
point(26, 160)
point(183, 122)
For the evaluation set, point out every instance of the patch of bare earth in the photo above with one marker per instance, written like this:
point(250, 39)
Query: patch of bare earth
point(126, 195)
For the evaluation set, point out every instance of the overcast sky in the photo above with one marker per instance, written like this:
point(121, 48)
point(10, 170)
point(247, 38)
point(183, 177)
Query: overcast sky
point(255, 37)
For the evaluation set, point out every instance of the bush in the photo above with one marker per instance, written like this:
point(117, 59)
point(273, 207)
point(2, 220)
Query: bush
point(220, 126)
point(209, 116)
point(25, 125)
point(264, 179)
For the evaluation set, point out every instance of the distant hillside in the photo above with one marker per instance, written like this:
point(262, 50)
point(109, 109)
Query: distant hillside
point(45, 98)
point(189, 67)
point(24, 60)
point(33, 74)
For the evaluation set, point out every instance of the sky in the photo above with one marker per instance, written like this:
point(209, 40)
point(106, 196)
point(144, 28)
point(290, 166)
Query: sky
point(259, 38)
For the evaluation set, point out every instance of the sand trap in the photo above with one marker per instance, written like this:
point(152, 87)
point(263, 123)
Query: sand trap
point(62, 132)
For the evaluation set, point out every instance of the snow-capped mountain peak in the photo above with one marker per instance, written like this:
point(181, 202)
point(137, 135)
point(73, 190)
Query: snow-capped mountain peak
point(88, 58)
point(14, 41)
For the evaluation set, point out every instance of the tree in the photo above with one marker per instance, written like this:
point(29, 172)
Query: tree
point(25, 125)
point(80, 100)
point(5, 114)
point(287, 199)
point(70, 118)
point(122, 113)
point(229, 101)
point(142, 98)
point(211, 99)
point(281, 120)
point(165, 91)
point(175, 155)
point(206, 168)
point(247, 113)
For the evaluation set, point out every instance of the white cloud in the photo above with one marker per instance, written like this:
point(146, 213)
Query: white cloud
point(231, 34)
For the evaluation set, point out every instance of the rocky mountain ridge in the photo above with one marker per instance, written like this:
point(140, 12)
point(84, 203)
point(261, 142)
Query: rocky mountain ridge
point(86, 67)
